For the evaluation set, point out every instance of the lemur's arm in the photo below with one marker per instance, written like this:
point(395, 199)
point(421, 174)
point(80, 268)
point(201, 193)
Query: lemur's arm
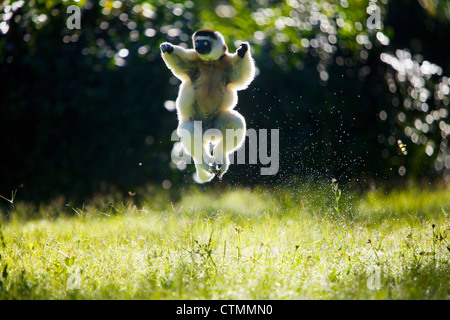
point(243, 68)
point(179, 60)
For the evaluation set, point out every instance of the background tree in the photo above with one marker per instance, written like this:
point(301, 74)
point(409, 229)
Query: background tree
point(83, 110)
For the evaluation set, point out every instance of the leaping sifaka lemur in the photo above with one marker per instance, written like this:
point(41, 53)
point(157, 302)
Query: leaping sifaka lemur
point(210, 77)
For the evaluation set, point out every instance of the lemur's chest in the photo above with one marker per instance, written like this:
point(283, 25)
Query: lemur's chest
point(210, 85)
point(211, 77)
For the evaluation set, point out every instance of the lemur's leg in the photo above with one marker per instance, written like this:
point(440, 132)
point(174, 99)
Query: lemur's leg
point(191, 135)
point(233, 128)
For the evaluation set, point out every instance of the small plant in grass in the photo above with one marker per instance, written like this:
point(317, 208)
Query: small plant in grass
point(337, 194)
point(13, 197)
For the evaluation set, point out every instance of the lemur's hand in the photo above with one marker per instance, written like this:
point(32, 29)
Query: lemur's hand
point(166, 47)
point(242, 50)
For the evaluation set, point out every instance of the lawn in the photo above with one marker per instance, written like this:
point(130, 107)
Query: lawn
point(304, 241)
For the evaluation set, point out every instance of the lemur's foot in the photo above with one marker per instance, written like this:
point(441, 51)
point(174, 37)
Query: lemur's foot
point(221, 169)
point(217, 169)
point(209, 167)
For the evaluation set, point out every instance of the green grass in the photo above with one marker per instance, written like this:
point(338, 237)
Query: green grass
point(302, 242)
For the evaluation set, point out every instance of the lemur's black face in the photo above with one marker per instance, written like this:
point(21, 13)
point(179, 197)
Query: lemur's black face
point(203, 46)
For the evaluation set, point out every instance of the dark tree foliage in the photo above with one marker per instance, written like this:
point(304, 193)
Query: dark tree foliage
point(82, 111)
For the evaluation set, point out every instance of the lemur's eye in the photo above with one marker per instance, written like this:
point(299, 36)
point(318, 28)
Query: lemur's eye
point(205, 43)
